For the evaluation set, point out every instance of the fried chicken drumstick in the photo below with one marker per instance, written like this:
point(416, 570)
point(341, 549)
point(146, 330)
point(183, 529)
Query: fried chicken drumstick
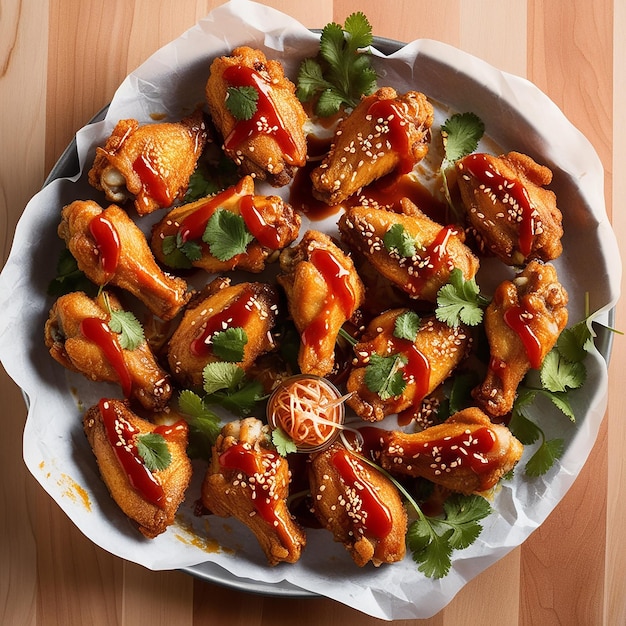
point(111, 249)
point(248, 480)
point(150, 498)
point(149, 164)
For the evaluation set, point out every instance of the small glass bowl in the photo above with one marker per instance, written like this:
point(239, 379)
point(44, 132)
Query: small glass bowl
point(279, 414)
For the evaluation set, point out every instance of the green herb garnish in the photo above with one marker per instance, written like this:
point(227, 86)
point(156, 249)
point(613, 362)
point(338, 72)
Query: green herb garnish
point(242, 102)
point(180, 254)
point(383, 375)
point(229, 344)
point(226, 385)
point(284, 444)
point(204, 425)
point(407, 326)
point(69, 278)
point(460, 301)
point(226, 235)
point(398, 241)
point(126, 325)
point(152, 448)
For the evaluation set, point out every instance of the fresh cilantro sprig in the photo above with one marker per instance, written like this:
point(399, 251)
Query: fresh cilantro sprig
point(152, 448)
point(125, 324)
point(204, 424)
point(283, 442)
point(214, 173)
point(180, 254)
point(226, 235)
point(342, 72)
point(460, 134)
point(398, 241)
point(229, 344)
point(242, 102)
point(227, 385)
point(69, 278)
point(460, 301)
point(407, 326)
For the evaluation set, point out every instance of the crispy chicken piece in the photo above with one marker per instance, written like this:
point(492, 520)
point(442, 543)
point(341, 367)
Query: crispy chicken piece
point(150, 498)
point(359, 505)
point(252, 307)
point(412, 251)
point(323, 291)
point(79, 338)
point(111, 249)
point(271, 221)
point(466, 453)
point(270, 145)
point(514, 217)
point(248, 480)
point(522, 322)
point(385, 133)
point(149, 164)
point(434, 354)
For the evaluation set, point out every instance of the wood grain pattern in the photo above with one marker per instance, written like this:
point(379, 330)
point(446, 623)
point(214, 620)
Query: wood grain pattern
point(60, 62)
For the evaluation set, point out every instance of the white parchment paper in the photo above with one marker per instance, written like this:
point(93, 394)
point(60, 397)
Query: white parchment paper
point(517, 116)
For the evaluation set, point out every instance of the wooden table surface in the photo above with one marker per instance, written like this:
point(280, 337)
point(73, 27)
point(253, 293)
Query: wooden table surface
point(60, 62)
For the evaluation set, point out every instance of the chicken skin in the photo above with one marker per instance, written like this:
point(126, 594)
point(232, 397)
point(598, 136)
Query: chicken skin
point(250, 307)
point(522, 322)
point(511, 213)
point(78, 335)
point(423, 364)
point(149, 164)
point(385, 133)
point(248, 480)
point(271, 223)
point(111, 249)
point(408, 248)
point(150, 497)
point(359, 505)
point(466, 453)
point(323, 292)
point(271, 144)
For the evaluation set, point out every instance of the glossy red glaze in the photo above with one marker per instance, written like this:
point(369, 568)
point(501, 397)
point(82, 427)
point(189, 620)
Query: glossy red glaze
point(153, 181)
point(107, 241)
point(266, 234)
point(386, 111)
point(518, 318)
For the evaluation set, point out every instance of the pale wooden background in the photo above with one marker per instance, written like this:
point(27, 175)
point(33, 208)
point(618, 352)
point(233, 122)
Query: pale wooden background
point(60, 62)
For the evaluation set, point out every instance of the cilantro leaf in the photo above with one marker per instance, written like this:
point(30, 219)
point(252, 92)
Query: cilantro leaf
point(178, 253)
point(359, 31)
point(407, 326)
point(242, 101)
point(433, 552)
point(459, 301)
point(558, 374)
point(226, 235)
point(229, 344)
point(574, 343)
point(227, 386)
point(152, 448)
point(463, 513)
point(561, 402)
point(523, 428)
point(398, 240)
point(461, 134)
point(284, 444)
point(69, 278)
point(213, 173)
point(384, 376)
point(204, 425)
point(217, 376)
point(544, 457)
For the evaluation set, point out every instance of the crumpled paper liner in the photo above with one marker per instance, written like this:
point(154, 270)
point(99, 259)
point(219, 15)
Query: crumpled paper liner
point(517, 117)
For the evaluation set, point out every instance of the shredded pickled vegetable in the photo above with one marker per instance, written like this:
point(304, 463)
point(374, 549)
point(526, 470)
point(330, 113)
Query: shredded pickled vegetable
point(308, 411)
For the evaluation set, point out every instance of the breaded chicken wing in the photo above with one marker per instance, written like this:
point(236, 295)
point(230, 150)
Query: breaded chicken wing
point(79, 338)
point(248, 480)
point(111, 249)
point(423, 364)
point(271, 144)
point(522, 322)
point(271, 223)
point(386, 132)
point(250, 307)
point(323, 292)
point(466, 453)
point(150, 497)
point(412, 251)
point(360, 506)
point(149, 164)
point(514, 217)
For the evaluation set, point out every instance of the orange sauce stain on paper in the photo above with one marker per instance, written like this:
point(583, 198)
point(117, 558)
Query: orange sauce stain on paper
point(191, 538)
point(74, 491)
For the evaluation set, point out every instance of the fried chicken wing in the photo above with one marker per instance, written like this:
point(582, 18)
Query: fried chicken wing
point(78, 335)
point(270, 145)
point(466, 453)
point(250, 307)
point(522, 322)
point(386, 132)
point(248, 480)
point(423, 364)
point(360, 506)
point(149, 164)
point(412, 251)
point(514, 217)
point(323, 291)
point(111, 249)
point(150, 497)
point(270, 221)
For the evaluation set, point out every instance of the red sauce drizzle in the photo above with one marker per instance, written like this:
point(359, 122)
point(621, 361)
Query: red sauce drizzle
point(388, 112)
point(377, 520)
point(468, 448)
point(107, 241)
point(235, 315)
point(266, 234)
point(121, 435)
point(339, 291)
point(242, 459)
point(153, 182)
point(519, 319)
point(437, 255)
point(176, 432)
point(479, 166)
point(97, 330)
point(266, 119)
